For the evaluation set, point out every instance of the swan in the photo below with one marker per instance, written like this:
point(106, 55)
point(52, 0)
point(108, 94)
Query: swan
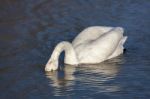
point(93, 45)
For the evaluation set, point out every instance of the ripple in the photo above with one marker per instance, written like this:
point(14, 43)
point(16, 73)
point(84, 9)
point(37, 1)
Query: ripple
point(31, 28)
point(91, 77)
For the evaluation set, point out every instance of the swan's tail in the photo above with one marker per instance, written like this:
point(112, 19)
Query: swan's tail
point(123, 40)
point(119, 50)
point(121, 43)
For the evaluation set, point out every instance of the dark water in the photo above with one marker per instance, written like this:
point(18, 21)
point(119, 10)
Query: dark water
point(29, 30)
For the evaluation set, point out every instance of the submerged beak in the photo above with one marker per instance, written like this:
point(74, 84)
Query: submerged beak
point(51, 66)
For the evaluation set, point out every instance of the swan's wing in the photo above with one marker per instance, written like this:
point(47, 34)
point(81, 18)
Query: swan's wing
point(90, 33)
point(100, 49)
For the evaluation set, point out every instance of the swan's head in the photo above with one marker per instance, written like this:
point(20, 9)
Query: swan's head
point(51, 65)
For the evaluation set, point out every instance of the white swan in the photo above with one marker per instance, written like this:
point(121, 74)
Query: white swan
point(93, 45)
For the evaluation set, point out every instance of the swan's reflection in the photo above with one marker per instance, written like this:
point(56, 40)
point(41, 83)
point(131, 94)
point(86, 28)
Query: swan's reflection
point(62, 77)
point(92, 77)
point(62, 80)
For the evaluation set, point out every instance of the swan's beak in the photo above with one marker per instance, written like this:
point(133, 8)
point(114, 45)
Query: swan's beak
point(50, 66)
point(49, 69)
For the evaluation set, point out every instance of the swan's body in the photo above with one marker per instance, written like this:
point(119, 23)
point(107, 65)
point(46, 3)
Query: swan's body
point(93, 45)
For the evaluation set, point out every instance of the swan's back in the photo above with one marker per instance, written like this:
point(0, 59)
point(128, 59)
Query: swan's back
point(102, 48)
point(90, 34)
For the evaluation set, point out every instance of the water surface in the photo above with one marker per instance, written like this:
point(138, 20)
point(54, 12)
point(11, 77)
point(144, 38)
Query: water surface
point(29, 30)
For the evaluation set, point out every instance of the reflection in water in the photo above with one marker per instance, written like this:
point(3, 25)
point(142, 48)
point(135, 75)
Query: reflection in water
point(62, 80)
point(29, 30)
point(93, 77)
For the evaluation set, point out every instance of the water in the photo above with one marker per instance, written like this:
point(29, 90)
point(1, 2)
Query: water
point(29, 30)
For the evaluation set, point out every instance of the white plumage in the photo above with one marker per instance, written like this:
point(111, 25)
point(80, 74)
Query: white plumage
point(93, 45)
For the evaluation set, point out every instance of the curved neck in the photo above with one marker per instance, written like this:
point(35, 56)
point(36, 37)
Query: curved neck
point(70, 55)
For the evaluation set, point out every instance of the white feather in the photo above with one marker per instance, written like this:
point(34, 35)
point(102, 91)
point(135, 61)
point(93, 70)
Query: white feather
point(93, 45)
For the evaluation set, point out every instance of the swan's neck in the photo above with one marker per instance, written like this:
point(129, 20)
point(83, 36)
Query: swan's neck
point(70, 54)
